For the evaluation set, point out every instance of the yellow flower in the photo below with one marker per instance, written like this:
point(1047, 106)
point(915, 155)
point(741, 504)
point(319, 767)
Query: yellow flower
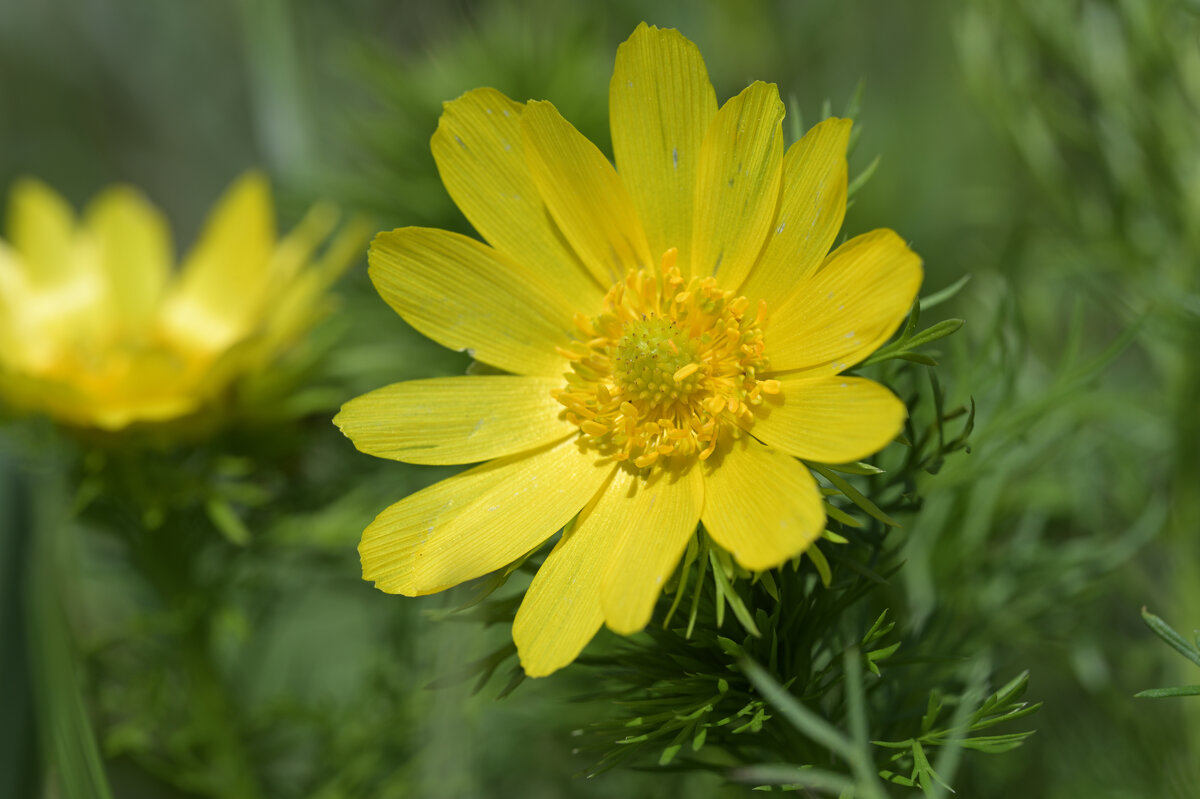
point(677, 331)
point(97, 332)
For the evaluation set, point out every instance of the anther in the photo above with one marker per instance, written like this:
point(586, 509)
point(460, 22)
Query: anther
point(647, 459)
point(684, 372)
point(669, 258)
point(585, 325)
point(593, 428)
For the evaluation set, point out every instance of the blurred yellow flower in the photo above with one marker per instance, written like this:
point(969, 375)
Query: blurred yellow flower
point(677, 331)
point(96, 331)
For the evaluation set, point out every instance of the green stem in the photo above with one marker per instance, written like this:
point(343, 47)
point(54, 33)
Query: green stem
point(168, 562)
point(19, 775)
point(1183, 530)
point(231, 769)
point(74, 765)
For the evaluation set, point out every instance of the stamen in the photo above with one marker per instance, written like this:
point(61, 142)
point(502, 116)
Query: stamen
point(593, 428)
point(668, 260)
point(665, 367)
point(585, 325)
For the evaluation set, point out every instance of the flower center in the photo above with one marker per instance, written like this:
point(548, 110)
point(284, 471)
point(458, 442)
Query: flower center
point(665, 366)
point(655, 361)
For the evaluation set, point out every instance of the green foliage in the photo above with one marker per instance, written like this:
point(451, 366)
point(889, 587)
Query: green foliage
point(1095, 104)
point(1189, 650)
point(19, 773)
point(66, 734)
point(1002, 706)
point(854, 752)
point(910, 339)
point(911, 755)
point(215, 638)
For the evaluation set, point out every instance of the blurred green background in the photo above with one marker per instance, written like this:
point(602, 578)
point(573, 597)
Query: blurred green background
point(1049, 150)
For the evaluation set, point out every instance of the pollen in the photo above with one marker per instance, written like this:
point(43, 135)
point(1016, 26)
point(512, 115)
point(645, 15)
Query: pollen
point(665, 367)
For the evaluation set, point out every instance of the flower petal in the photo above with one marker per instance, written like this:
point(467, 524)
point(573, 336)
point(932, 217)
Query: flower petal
point(561, 610)
point(760, 504)
point(481, 158)
point(811, 210)
point(660, 105)
point(737, 185)
point(14, 297)
point(303, 276)
point(46, 311)
point(219, 295)
point(847, 309)
point(584, 194)
point(135, 252)
point(467, 296)
point(830, 419)
point(478, 521)
point(450, 420)
point(652, 520)
point(41, 228)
